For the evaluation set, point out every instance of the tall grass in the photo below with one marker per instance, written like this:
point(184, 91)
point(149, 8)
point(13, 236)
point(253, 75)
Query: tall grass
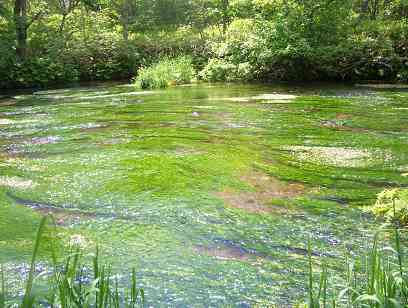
point(2, 288)
point(380, 281)
point(166, 72)
point(75, 284)
point(319, 299)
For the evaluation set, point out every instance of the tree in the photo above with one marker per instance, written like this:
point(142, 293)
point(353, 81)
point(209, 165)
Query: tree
point(23, 22)
point(65, 7)
point(20, 19)
point(225, 14)
point(124, 11)
point(3, 9)
point(374, 9)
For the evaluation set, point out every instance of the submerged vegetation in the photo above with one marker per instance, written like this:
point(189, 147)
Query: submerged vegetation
point(202, 187)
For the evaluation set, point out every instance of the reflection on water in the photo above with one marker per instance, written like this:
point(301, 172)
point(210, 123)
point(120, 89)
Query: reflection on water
point(211, 191)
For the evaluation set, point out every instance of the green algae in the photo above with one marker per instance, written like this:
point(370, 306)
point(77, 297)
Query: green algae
point(147, 169)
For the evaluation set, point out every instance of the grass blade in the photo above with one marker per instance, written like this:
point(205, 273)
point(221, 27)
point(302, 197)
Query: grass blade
point(3, 288)
point(28, 299)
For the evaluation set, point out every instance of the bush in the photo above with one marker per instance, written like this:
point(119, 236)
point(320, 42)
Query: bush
point(277, 50)
point(103, 57)
point(403, 75)
point(154, 45)
point(221, 70)
point(392, 204)
point(166, 72)
point(38, 71)
point(239, 56)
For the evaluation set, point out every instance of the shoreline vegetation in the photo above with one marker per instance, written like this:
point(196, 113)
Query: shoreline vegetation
point(44, 44)
point(376, 279)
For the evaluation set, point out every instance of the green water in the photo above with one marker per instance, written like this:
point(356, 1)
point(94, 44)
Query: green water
point(211, 191)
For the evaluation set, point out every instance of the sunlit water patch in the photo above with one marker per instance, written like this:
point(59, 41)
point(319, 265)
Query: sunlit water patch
point(211, 191)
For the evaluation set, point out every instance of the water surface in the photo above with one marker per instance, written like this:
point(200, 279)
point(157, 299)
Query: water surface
point(211, 191)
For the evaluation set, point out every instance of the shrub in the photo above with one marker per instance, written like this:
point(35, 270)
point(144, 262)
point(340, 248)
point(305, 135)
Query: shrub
point(221, 70)
point(154, 45)
point(277, 49)
point(37, 71)
point(166, 72)
point(403, 75)
point(239, 56)
point(103, 57)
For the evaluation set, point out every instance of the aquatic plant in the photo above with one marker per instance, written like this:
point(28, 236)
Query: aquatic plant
point(379, 280)
point(315, 300)
point(166, 72)
point(74, 283)
point(392, 204)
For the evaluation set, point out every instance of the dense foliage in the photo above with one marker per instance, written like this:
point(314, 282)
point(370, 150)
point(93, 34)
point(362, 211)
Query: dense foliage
point(53, 41)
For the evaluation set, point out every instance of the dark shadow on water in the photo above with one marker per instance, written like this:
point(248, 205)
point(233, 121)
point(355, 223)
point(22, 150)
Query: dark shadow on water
point(229, 249)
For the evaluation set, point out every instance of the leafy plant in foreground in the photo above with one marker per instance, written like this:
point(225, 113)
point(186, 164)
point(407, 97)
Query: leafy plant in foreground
point(73, 284)
point(380, 281)
point(392, 204)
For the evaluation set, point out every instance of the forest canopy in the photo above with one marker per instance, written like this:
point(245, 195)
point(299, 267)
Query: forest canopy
point(45, 42)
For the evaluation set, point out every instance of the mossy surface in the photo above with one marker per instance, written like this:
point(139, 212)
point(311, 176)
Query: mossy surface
point(141, 173)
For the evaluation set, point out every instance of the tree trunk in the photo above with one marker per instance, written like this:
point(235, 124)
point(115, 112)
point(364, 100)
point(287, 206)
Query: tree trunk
point(125, 31)
point(374, 9)
point(364, 7)
point(62, 24)
point(126, 12)
point(225, 16)
point(20, 19)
